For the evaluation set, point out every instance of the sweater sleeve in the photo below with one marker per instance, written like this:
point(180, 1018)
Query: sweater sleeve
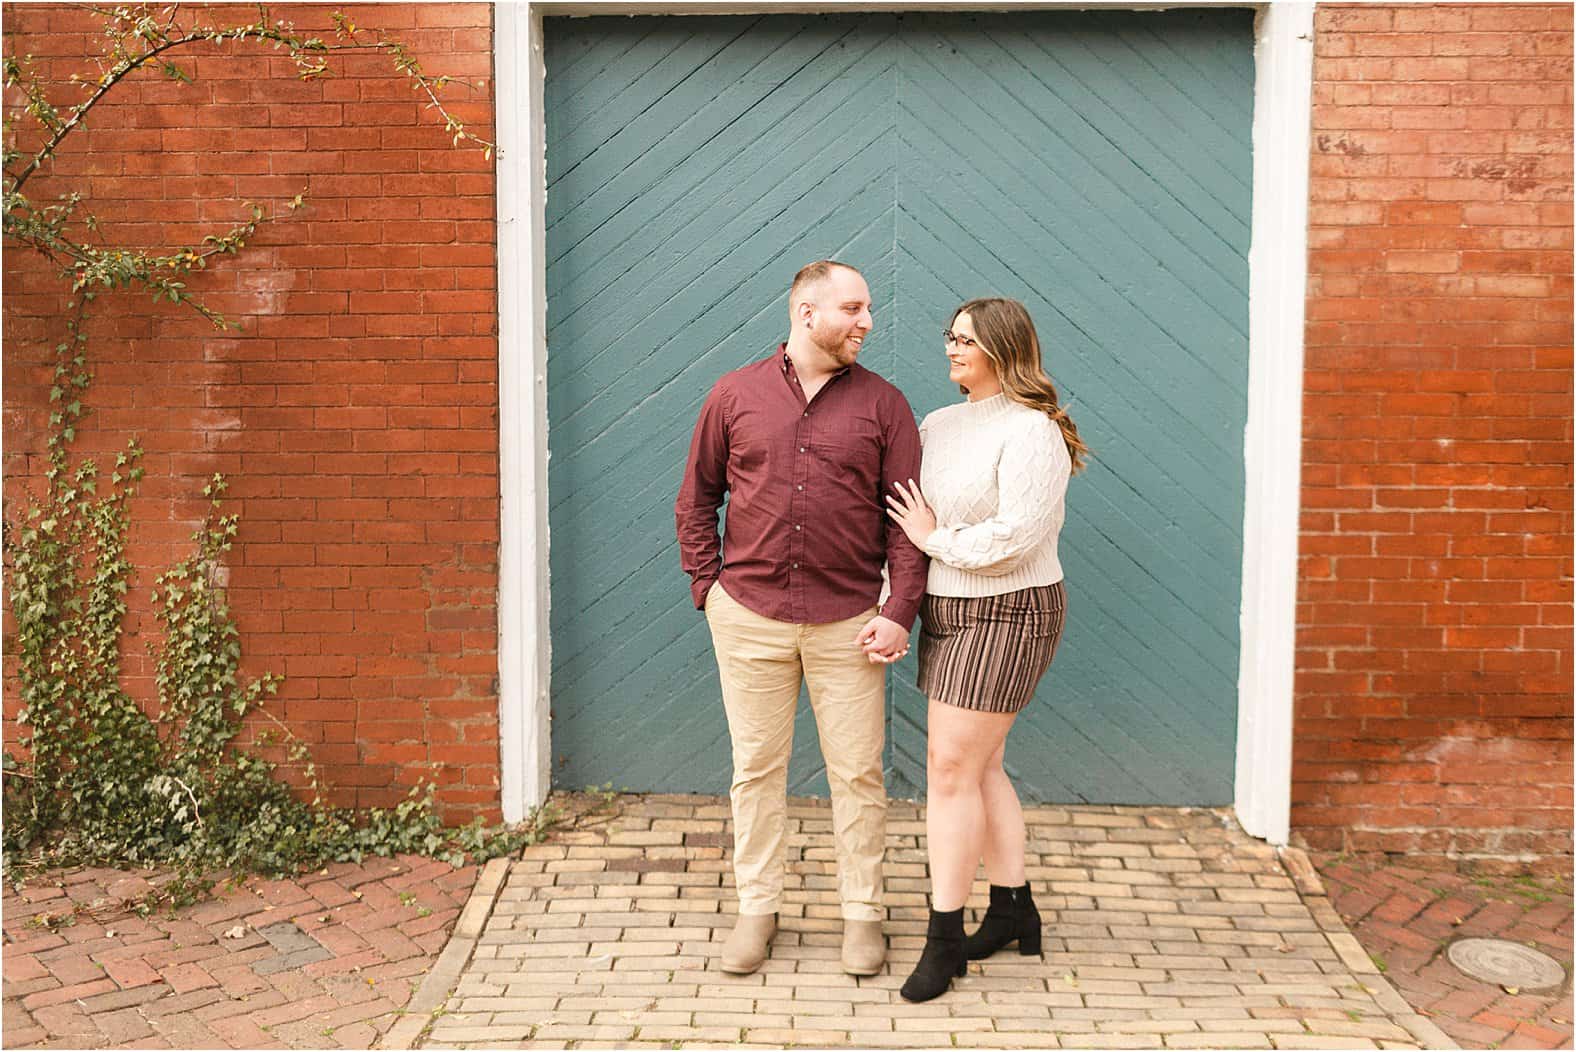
point(1031, 479)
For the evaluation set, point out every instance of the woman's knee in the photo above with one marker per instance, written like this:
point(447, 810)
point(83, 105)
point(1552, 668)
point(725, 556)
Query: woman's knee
point(950, 769)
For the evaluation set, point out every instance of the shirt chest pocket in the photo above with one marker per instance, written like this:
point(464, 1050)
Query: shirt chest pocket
point(849, 451)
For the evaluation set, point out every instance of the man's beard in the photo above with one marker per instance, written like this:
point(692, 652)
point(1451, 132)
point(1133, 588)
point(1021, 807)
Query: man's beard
point(835, 348)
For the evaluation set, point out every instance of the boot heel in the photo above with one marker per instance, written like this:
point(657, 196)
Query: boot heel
point(1029, 943)
point(963, 967)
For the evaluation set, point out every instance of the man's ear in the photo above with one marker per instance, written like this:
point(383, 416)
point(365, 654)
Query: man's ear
point(803, 311)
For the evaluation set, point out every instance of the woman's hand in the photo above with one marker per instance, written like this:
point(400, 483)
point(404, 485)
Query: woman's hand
point(912, 513)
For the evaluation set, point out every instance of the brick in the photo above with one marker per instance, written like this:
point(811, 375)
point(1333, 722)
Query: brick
point(1220, 1039)
point(122, 1027)
point(66, 994)
point(358, 153)
point(1453, 98)
point(130, 972)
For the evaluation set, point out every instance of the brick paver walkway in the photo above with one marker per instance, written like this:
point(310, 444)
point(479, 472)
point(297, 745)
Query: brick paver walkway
point(1407, 919)
point(323, 961)
point(1165, 928)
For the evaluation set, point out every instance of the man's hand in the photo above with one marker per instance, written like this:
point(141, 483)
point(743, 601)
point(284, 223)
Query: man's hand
point(883, 641)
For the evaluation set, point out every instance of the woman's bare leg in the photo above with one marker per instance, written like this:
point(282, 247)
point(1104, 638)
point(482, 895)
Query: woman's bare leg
point(961, 744)
point(1004, 830)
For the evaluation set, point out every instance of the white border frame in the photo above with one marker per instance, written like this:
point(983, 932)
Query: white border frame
point(524, 646)
point(1272, 450)
point(1277, 264)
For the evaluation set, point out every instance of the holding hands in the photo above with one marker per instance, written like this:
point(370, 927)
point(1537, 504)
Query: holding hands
point(883, 640)
point(911, 512)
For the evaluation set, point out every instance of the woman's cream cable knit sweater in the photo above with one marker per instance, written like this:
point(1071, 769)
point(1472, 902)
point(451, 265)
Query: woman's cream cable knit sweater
point(995, 472)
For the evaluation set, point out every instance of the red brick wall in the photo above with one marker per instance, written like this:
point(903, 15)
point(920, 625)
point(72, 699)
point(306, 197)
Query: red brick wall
point(1433, 709)
point(355, 414)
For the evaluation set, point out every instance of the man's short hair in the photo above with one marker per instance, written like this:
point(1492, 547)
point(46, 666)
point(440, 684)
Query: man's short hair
point(814, 273)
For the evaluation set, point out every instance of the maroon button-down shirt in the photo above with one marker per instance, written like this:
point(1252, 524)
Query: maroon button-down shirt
point(807, 530)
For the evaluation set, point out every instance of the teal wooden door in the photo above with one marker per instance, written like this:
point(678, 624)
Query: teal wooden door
point(1094, 165)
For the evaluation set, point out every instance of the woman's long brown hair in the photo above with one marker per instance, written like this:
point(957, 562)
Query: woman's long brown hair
point(1006, 335)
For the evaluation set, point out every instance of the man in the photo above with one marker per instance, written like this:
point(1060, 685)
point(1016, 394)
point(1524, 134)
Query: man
point(806, 444)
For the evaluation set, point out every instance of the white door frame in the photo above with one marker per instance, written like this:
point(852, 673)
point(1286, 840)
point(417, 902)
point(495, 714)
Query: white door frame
point(1277, 265)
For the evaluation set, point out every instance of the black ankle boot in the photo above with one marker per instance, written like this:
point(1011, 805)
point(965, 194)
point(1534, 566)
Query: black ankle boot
point(1011, 917)
point(942, 959)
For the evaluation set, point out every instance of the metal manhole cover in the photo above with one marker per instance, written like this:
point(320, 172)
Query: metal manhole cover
point(1506, 963)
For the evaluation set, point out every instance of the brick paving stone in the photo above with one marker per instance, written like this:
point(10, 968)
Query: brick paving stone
point(114, 1000)
point(1321, 1041)
point(795, 1036)
point(693, 1033)
point(20, 967)
point(1220, 1039)
point(122, 1027)
point(184, 978)
point(71, 969)
point(183, 954)
point(22, 1037)
point(65, 994)
point(177, 982)
point(451, 1035)
point(186, 1031)
point(1007, 1040)
point(1086, 1040)
point(1473, 1013)
point(357, 1013)
point(64, 1022)
point(355, 1035)
point(1373, 1028)
point(131, 972)
point(1545, 1037)
point(17, 991)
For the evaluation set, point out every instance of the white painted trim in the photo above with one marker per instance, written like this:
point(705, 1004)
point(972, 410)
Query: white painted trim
point(1272, 448)
point(524, 646)
point(1277, 266)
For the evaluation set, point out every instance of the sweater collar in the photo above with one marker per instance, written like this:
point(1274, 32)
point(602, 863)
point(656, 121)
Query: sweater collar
point(986, 408)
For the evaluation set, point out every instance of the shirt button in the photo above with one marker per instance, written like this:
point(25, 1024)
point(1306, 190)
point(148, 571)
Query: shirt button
point(796, 566)
point(801, 449)
point(800, 488)
point(797, 526)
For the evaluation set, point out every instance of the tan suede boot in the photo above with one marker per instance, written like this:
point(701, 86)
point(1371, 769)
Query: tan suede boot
point(864, 947)
point(747, 945)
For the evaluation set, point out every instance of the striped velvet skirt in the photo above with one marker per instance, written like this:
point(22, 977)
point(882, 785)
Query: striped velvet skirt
point(988, 653)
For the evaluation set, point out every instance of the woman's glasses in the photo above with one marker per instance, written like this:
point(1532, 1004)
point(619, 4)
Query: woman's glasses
point(965, 342)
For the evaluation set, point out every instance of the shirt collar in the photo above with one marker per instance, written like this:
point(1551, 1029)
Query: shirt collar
point(789, 371)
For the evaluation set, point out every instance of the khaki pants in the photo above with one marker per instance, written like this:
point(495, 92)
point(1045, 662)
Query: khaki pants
point(761, 662)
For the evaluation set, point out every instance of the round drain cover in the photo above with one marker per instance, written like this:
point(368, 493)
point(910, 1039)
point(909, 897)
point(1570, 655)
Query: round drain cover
point(1506, 963)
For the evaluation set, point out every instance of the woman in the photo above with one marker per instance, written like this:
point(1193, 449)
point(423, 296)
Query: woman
point(994, 478)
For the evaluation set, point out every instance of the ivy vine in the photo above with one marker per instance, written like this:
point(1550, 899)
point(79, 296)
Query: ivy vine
point(97, 778)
